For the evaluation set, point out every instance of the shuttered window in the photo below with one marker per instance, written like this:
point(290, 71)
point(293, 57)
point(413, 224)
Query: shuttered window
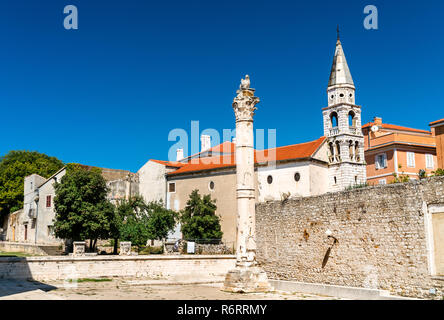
point(48, 201)
point(411, 159)
point(429, 161)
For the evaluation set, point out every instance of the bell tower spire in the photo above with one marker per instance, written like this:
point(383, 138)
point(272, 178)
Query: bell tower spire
point(342, 126)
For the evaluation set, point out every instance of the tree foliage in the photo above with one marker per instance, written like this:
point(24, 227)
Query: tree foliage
point(82, 209)
point(138, 222)
point(161, 220)
point(199, 219)
point(14, 167)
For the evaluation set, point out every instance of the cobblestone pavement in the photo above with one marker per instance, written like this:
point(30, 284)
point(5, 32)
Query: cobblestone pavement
point(130, 289)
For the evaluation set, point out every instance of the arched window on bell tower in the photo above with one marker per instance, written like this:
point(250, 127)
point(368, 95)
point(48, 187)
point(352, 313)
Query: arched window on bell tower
point(331, 152)
point(334, 119)
point(351, 149)
point(351, 119)
point(338, 151)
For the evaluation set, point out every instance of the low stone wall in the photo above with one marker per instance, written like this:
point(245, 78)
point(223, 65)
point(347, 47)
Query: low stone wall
point(206, 249)
point(213, 249)
point(30, 248)
point(383, 238)
point(180, 268)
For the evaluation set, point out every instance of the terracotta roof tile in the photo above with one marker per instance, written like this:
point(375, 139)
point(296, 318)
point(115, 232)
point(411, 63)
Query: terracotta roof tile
point(395, 127)
point(225, 147)
point(169, 163)
point(296, 151)
point(436, 122)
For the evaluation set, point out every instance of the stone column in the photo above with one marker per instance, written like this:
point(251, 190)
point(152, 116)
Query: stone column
point(247, 276)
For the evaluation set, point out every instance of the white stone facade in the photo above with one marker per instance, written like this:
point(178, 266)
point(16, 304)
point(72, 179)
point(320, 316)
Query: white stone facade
point(342, 127)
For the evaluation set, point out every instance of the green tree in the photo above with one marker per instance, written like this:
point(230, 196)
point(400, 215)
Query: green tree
point(82, 209)
point(14, 167)
point(139, 222)
point(199, 219)
point(161, 220)
point(438, 172)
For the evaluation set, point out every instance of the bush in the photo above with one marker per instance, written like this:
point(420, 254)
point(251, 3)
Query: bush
point(151, 250)
point(357, 186)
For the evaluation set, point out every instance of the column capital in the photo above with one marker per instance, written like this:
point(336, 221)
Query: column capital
point(244, 104)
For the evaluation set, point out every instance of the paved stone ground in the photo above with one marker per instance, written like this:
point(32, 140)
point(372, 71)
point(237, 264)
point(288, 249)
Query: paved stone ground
point(132, 289)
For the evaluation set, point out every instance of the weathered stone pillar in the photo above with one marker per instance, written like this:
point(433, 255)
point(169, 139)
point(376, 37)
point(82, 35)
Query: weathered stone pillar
point(247, 276)
point(78, 248)
point(125, 248)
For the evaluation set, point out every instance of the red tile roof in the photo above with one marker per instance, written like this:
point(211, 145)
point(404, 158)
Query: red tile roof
point(225, 147)
point(395, 127)
point(169, 163)
point(296, 151)
point(208, 163)
point(436, 122)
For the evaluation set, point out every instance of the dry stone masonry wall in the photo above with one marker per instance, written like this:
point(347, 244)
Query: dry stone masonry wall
point(383, 238)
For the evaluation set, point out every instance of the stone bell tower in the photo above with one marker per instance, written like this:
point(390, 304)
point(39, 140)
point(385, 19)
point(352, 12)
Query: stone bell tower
point(342, 127)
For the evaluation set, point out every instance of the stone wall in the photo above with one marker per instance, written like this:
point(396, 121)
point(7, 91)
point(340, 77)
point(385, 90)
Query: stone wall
point(179, 268)
point(31, 248)
point(384, 234)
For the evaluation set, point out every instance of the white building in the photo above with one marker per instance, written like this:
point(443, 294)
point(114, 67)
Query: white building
point(34, 223)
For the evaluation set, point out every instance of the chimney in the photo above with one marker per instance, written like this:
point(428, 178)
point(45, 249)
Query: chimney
point(205, 142)
point(179, 154)
point(377, 121)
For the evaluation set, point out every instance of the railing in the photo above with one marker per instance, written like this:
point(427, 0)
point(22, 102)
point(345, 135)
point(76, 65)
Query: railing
point(336, 158)
point(353, 130)
point(334, 131)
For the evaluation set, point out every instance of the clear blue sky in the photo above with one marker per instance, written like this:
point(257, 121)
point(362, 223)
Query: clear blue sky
point(109, 93)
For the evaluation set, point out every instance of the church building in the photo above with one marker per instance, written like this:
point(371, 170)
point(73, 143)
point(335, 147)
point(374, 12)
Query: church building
point(330, 163)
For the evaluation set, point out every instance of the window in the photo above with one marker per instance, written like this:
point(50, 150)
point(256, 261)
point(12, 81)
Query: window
point(338, 148)
point(270, 179)
point(381, 161)
point(335, 180)
point(351, 119)
point(429, 161)
point(334, 119)
point(382, 181)
point(211, 185)
point(172, 187)
point(48, 201)
point(411, 159)
point(297, 176)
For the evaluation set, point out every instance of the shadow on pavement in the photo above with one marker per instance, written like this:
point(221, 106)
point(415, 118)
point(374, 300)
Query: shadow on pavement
point(16, 278)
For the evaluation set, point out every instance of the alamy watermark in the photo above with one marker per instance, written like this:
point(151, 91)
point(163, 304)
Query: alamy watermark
point(71, 21)
point(371, 20)
point(188, 146)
